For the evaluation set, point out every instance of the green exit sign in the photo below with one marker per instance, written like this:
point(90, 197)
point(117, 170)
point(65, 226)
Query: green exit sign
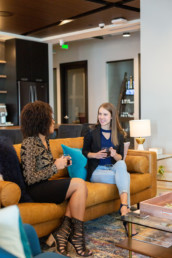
point(65, 46)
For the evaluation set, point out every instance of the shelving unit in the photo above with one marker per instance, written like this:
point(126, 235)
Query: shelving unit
point(120, 74)
point(2, 76)
point(3, 91)
point(27, 61)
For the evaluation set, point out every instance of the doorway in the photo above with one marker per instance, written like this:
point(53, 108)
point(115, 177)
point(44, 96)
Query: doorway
point(74, 92)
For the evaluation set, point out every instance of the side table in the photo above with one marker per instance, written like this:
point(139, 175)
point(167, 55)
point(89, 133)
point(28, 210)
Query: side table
point(141, 247)
point(164, 182)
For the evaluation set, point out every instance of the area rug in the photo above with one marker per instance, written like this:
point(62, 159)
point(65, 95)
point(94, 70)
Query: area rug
point(103, 233)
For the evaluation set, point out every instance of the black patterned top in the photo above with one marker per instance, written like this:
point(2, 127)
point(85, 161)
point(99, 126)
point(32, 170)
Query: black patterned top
point(36, 160)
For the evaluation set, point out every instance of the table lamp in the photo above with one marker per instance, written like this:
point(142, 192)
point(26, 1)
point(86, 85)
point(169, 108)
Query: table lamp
point(140, 129)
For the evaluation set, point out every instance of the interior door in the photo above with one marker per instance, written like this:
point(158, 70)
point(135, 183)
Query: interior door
point(74, 100)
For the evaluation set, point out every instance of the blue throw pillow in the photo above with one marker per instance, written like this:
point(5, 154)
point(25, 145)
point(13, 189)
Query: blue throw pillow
point(79, 161)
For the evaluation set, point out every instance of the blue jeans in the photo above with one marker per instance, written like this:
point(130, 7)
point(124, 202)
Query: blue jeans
point(116, 174)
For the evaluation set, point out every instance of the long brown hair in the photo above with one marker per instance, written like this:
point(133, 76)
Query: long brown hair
point(114, 124)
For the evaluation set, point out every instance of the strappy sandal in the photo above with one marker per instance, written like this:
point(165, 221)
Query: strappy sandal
point(77, 238)
point(61, 236)
point(124, 222)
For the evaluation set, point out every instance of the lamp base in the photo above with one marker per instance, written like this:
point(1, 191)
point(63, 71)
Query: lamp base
point(140, 147)
point(140, 142)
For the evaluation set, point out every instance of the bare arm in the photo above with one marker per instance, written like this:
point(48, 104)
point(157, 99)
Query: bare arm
point(115, 155)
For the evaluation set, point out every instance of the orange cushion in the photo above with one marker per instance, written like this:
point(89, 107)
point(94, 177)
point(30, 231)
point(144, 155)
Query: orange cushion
point(10, 193)
point(137, 164)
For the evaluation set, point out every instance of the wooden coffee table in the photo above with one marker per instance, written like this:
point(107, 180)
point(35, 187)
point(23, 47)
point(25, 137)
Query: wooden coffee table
point(144, 247)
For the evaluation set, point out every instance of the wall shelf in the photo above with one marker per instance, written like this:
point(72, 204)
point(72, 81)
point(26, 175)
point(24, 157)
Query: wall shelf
point(2, 76)
point(3, 62)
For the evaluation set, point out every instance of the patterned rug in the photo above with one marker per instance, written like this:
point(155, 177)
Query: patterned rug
point(103, 233)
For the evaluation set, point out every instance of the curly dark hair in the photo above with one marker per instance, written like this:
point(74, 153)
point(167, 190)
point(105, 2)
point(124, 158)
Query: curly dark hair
point(36, 118)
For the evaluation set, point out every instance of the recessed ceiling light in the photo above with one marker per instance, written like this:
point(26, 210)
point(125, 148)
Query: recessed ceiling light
point(5, 14)
point(65, 21)
point(126, 34)
point(118, 20)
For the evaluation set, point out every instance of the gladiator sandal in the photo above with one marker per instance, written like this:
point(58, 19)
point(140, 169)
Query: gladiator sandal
point(61, 235)
point(77, 238)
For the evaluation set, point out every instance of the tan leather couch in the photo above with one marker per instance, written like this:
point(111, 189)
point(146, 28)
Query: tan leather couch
point(102, 198)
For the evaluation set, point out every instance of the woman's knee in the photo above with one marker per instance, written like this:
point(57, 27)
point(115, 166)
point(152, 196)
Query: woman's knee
point(80, 184)
point(120, 164)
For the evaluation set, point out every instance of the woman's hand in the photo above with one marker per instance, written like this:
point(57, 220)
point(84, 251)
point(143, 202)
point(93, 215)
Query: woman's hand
point(62, 162)
point(114, 154)
point(97, 155)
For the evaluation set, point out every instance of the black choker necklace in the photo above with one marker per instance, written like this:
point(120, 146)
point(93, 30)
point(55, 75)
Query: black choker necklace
point(105, 131)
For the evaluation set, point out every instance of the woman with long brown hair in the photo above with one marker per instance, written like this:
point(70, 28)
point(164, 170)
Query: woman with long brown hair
point(104, 148)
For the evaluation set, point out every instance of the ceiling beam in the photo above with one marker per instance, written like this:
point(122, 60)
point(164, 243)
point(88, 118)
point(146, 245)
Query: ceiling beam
point(107, 5)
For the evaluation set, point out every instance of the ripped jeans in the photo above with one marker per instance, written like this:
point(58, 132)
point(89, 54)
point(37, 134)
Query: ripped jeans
point(116, 174)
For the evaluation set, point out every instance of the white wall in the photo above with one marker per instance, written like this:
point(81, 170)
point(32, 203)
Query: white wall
point(50, 63)
point(98, 52)
point(156, 71)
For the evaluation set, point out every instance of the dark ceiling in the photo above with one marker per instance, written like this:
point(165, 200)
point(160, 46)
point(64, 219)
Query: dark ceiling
point(41, 18)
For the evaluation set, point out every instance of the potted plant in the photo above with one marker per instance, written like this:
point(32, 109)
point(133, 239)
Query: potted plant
point(161, 170)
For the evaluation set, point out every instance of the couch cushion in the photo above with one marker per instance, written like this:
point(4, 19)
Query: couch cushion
point(10, 193)
point(137, 164)
point(56, 148)
point(57, 151)
point(36, 213)
point(99, 192)
point(140, 182)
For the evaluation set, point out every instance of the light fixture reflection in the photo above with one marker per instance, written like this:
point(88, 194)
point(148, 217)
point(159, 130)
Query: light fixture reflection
point(65, 21)
point(118, 20)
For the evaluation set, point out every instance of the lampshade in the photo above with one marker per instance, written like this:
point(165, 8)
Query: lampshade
point(140, 128)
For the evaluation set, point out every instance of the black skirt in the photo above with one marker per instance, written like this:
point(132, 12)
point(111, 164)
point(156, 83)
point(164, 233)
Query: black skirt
point(49, 191)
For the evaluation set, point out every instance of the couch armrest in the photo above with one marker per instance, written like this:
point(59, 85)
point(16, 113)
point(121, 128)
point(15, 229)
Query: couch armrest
point(152, 157)
point(10, 193)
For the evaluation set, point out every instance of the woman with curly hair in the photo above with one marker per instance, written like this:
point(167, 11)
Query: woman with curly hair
point(38, 166)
